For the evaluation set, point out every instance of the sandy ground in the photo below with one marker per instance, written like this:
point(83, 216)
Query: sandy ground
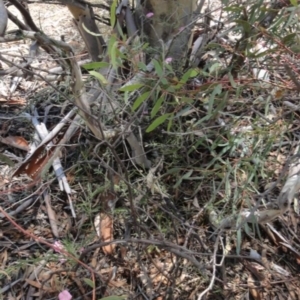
point(53, 20)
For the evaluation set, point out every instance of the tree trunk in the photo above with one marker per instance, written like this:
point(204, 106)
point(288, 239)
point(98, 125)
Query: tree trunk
point(170, 18)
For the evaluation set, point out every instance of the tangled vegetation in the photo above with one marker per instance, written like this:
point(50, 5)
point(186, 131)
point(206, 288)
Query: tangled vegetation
point(143, 174)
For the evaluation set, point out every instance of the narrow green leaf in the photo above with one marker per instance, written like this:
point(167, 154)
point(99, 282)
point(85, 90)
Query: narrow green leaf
point(294, 2)
point(164, 81)
point(246, 26)
point(290, 38)
point(113, 54)
point(158, 68)
point(157, 106)
point(95, 65)
point(132, 87)
point(194, 72)
point(233, 83)
point(170, 124)
point(188, 74)
point(99, 76)
point(157, 122)
point(91, 32)
point(171, 89)
point(238, 241)
point(114, 298)
point(188, 174)
point(120, 31)
point(142, 66)
point(217, 91)
point(112, 40)
point(89, 282)
point(169, 67)
point(113, 9)
point(140, 100)
point(178, 183)
point(173, 170)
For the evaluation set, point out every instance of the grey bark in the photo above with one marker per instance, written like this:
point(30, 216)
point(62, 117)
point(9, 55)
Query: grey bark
point(171, 19)
point(3, 18)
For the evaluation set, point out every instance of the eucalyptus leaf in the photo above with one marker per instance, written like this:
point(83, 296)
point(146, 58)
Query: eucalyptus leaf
point(113, 9)
point(99, 76)
point(114, 298)
point(89, 282)
point(158, 121)
point(158, 68)
point(137, 103)
point(157, 106)
point(132, 87)
point(95, 65)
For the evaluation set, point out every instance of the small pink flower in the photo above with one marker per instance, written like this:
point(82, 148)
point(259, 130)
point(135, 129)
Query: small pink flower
point(149, 15)
point(58, 246)
point(64, 295)
point(168, 60)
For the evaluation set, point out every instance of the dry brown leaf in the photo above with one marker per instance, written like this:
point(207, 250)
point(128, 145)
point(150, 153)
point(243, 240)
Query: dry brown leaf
point(255, 293)
point(104, 227)
point(12, 101)
point(117, 283)
point(34, 164)
point(51, 215)
point(3, 258)
point(15, 141)
point(38, 285)
point(107, 233)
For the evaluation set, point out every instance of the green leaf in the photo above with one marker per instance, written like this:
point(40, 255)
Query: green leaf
point(95, 65)
point(169, 67)
point(233, 83)
point(5, 159)
point(194, 72)
point(188, 74)
point(114, 298)
point(245, 25)
point(171, 89)
point(170, 124)
point(217, 91)
point(99, 76)
point(91, 32)
point(89, 282)
point(294, 2)
point(113, 54)
point(132, 87)
point(288, 38)
point(158, 68)
point(157, 122)
point(140, 100)
point(157, 106)
point(238, 241)
point(185, 176)
point(120, 31)
point(113, 51)
point(188, 174)
point(142, 66)
point(113, 9)
point(164, 81)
